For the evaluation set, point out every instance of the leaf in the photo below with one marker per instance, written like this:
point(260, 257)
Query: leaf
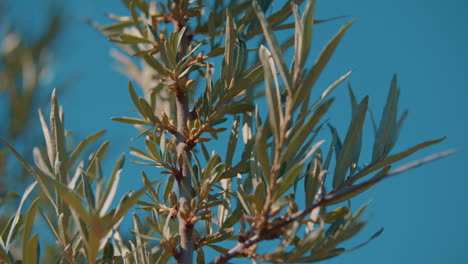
point(38, 175)
point(307, 22)
point(82, 146)
point(230, 43)
point(134, 97)
point(299, 134)
point(32, 249)
point(47, 138)
point(29, 221)
point(232, 143)
point(126, 204)
point(313, 179)
point(58, 135)
point(388, 124)
point(320, 64)
point(287, 181)
point(350, 145)
point(261, 153)
point(275, 49)
point(130, 39)
point(129, 120)
point(331, 88)
point(394, 158)
point(275, 116)
point(27, 192)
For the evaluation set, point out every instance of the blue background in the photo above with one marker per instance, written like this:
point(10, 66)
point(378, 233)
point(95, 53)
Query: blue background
point(424, 211)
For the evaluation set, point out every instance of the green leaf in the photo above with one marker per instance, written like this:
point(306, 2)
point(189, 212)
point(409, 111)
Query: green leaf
point(135, 18)
point(58, 135)
point(126, 204)
point(320, 64)
point(48, 139)
point(37, 174)
point(331, 88)
point(82, 146)
point(275, 49)
point(300, 132)
point(351, 145)
point(261, 153)
point(275, 116)
point(134, 96)
point(32, 249)
point(27, 192)
point(307, 22)
point(394, 158)
point(313, 179)
point(388, 128)
point(129, 120)
point(130, 39)
point(232, 143)
point(230, 44)
point(29, 221)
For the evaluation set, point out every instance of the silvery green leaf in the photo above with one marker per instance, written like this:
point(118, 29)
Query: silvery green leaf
point(350, 145)
point(27, 192)
point(312, 76)
point(313, 179)
point(32, 249)
point(394, 158)
point(82, 146)
point(388, 124)
point(275, 115)
point(300, 132)
point(232, 143)
point(275, 49)
point(331, 88)
point(261, 153)
point(307, 22)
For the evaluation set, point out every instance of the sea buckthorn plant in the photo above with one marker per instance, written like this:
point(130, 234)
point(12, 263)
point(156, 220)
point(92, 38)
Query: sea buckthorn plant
point(212, 79)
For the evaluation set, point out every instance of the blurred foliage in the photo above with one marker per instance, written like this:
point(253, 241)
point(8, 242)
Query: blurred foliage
point(204, 79)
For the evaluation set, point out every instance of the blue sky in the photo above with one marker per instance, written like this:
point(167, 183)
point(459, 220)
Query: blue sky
point(424, 211)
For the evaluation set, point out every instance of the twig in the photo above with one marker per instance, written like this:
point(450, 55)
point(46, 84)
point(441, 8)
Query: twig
point(240, 247)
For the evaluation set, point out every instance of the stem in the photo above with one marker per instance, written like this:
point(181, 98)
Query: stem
point(184, 184)
point(185, 181)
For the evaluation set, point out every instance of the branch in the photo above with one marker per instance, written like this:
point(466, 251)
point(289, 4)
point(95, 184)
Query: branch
point(241, 246)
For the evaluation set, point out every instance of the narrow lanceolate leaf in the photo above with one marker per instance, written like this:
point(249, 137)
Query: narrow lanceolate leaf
point(300, 134)
point(275, 115)
point(82, 146)
point(129, 120)
point(73, 200)
point(298, 37)
point(29, 221)
point(313, 179)
point(58, 131)
point(28, 191)
point(47, 138)
point(394, 158)
point(275, 49)
point(307, 22)
point(230, 45)
point(350, 145)
point(109, 193)
point(261, 152)
point(232, 143)
point(312, 76)
point(32, 247)
point(331, 88)
point(388, 124)
point(37, 174)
